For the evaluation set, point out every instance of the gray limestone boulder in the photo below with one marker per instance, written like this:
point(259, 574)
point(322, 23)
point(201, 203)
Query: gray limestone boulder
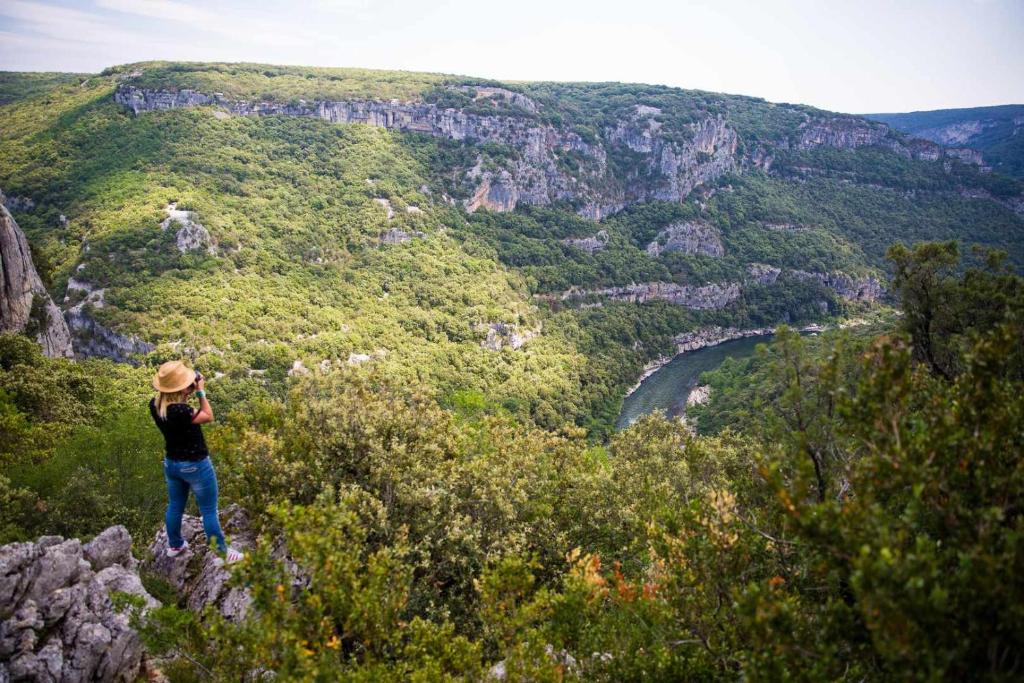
point(57, 620)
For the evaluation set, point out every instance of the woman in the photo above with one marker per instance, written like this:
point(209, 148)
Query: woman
point(187, 465)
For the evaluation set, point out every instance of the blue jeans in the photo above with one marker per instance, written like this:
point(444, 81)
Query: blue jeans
point(199, 477)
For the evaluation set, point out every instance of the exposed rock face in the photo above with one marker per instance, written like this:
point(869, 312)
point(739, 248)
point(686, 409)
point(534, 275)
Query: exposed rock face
point(956, 133)
point(386, 203)
point(502, 335)
point(698, 396)
point(712, 336)
point(199, 574)
point(595, 242)
point(58, 622)
point(399, 236)
point(689, 237)
point(191, 236)
point(671, 170)
point(535, 175)
point(763, 274)
point(712, 296)
point(845, 285)
point(25, 305)
point(841, 132)
point(851, 132)
point(514, 98)
point(94, 339)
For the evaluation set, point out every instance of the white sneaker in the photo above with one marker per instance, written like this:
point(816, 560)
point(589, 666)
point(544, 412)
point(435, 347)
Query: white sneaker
point(174, 552)
point(233, 556)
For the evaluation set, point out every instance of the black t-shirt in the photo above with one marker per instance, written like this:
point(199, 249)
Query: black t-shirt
point(183, 439)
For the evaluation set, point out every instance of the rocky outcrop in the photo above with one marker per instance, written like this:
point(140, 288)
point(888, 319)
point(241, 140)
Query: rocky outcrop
point(762, 273)
point(537, 173)
point(590, 244)
point(852, 132)
point(92, 338)
point(506, 335)
point(958, 133)
point(698, 396)
point(668, 169)
point(389, 212)
point(399, 236)
point(689, 237)
point(711, 296)
point(199, 575)
point(16, 203)
point(852, 288)
point(57, 620)
point(841, 132)
point(191, 235)
point(25, 305)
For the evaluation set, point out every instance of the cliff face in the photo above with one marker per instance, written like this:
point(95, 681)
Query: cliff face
point(553, 162)
point(670, 170)
point(710, 296)
point(538, 174)
point(718, 295)
point(689, 237)
point(25, 306)
point(851, 132)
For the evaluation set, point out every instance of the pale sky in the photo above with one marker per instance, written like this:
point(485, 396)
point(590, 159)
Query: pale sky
point(844, 55)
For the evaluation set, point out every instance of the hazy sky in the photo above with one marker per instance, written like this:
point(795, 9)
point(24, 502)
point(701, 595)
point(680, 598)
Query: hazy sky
point(846, 55)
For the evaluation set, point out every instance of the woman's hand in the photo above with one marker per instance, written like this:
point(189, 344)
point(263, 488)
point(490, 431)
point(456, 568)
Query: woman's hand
point(201, 383)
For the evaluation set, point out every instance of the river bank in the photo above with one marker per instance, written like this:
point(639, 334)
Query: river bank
point(705, 338)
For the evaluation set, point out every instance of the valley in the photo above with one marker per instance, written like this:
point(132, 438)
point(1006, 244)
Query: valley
point(446, 323)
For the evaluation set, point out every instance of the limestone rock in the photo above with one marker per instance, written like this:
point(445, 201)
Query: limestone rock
point(57, 621)
point(850, 132)
point(763, 274)
point(502, 335)
point(16, 203)
point(699, 395)
point(536, 173)
point(111, 546)
point(386, 203)
point(199, 574)
point(711, 296)
point(92, 338)
point(191, 236)
point(689, 237)
point(590, 244)
point(25, 305)
point(399, 236)
point(865, 288)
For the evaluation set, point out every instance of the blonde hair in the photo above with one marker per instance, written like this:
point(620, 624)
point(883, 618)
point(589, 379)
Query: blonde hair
point(166, 398)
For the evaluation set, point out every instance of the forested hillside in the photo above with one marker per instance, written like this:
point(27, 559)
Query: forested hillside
point(533, 244)
point(996, 132)
point(863, 525)
point(419, 300)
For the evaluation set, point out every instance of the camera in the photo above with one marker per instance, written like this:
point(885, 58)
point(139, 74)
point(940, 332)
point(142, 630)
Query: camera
point(199, 376)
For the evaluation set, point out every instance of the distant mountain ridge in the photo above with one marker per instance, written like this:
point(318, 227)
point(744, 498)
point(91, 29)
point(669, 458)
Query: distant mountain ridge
point(997, 132)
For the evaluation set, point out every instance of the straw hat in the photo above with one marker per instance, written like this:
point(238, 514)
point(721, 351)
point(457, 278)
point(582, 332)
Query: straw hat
point(173, 376)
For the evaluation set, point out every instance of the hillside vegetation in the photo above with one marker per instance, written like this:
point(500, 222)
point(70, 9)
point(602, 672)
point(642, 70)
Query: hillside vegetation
point(994, 131)
point(326, 244)
point(420, 298)
point(862, 525)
